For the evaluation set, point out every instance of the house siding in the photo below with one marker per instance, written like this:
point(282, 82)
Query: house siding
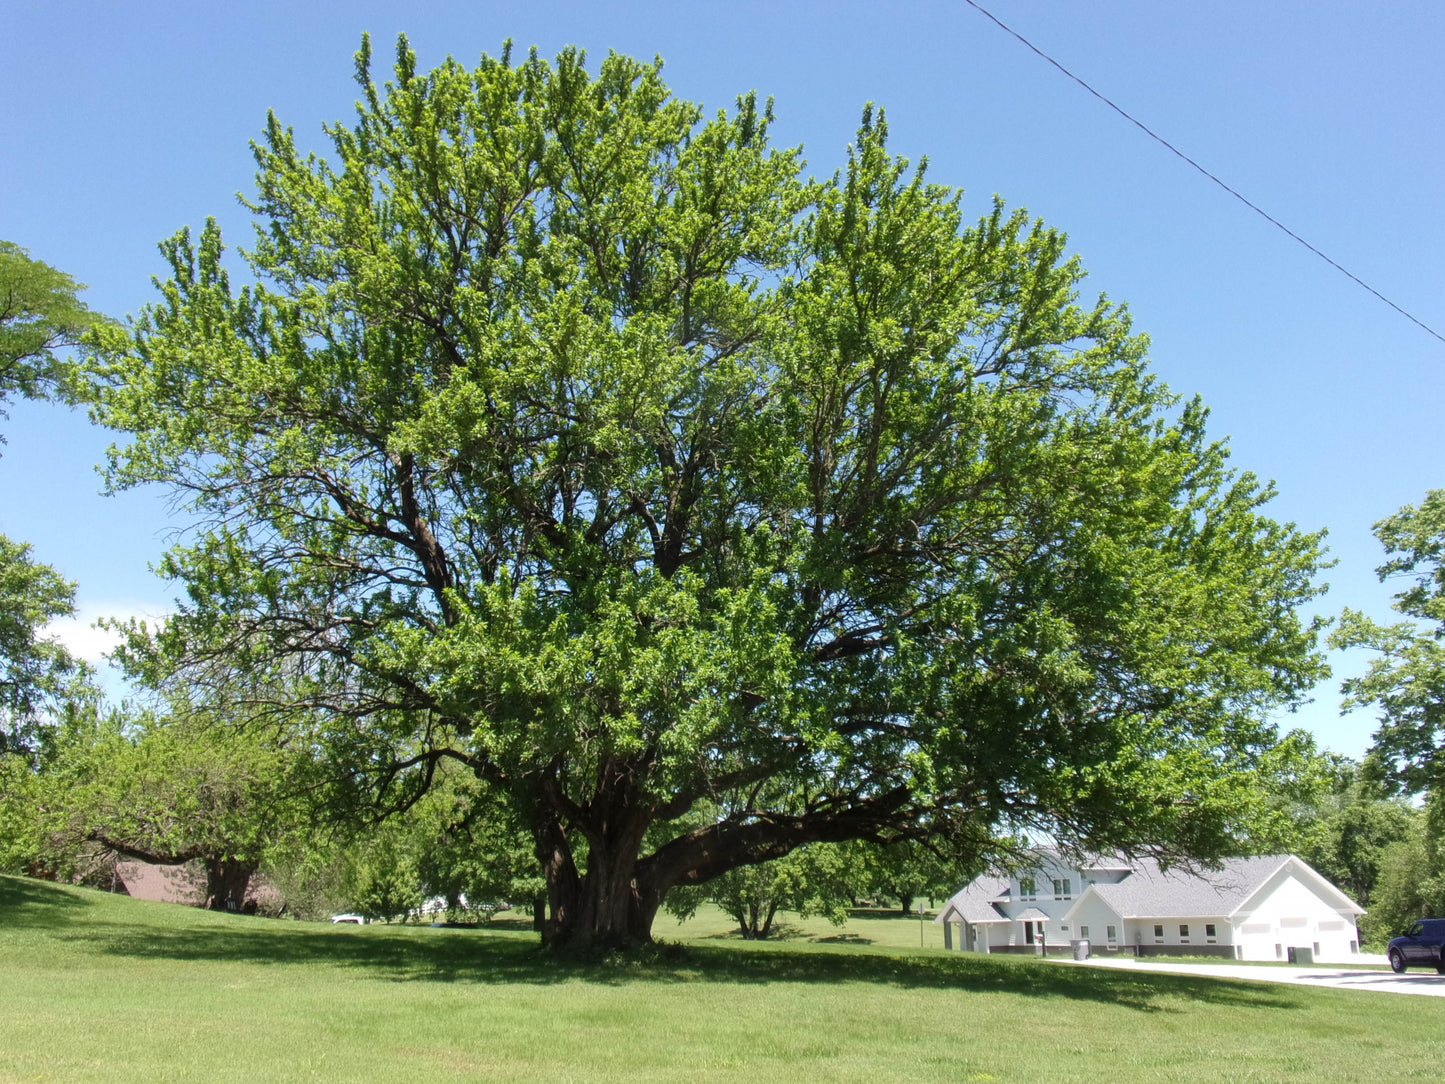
point(1286, 913)
point(1098, 917)
point(1174, 943)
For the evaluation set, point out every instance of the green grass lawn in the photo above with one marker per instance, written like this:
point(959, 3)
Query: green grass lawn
point(104, 988)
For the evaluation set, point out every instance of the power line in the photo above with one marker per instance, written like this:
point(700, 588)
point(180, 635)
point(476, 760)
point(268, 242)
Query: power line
point(1180, 154)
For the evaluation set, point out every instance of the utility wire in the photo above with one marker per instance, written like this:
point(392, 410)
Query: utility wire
point(1180, 154)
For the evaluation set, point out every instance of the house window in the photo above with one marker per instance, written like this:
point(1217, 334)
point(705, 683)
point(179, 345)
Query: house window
point(1184, 933)
point(1209, 932)
point(1158, 934)
point(1354, 947)
point(1113, 932)
point(1084, 932)
point(1026, 889)
point(1063, 889)
point(1064, 927)
point(1278, 951)
point(1317, 948)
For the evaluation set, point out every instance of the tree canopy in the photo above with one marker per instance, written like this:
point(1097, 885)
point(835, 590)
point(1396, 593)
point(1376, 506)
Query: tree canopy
point(572, 435)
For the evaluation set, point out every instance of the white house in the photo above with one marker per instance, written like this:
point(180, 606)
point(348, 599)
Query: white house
point(1252, 909)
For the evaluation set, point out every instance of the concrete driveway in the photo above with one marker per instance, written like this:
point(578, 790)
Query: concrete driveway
point(1415, 981)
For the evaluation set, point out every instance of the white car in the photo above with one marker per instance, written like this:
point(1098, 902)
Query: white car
point(358, 919)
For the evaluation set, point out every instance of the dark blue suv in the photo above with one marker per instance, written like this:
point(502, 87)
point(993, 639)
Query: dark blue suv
point(1422, 944)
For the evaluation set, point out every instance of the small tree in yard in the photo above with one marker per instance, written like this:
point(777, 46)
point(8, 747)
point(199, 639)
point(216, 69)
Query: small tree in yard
point(572, 436)
point(473, 851)
point(812, 880)
point(386, 882)
point(1345, 833)
point(175, 789)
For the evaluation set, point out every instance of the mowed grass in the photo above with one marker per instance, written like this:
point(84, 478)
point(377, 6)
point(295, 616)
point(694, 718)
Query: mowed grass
point(104, 988)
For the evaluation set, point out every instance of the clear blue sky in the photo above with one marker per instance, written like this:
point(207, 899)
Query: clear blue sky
point(121, 122)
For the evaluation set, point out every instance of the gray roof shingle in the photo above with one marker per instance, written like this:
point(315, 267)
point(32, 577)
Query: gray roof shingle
point(1150, 892)
point(975, 903)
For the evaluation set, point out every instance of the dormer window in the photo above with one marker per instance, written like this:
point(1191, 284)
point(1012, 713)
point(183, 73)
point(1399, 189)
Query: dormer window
point(1026, 889)
point(1063, 889)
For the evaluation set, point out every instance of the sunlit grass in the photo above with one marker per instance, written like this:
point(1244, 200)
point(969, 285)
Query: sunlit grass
point(95, 987)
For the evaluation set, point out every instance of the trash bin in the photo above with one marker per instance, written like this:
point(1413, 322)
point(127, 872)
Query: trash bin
point(1301, 954)
point(1081, 949)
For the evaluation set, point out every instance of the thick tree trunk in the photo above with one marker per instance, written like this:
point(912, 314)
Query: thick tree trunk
point(613, 904)
point(608, 907)
point(595, 914)
point(226, 883)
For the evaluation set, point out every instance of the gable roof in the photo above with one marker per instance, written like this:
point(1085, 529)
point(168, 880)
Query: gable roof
point(1030, 914)
point(1322, 886)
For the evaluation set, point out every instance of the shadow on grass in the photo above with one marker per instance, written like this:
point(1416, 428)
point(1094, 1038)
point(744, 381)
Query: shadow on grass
point(37, 904)
point(412, 954)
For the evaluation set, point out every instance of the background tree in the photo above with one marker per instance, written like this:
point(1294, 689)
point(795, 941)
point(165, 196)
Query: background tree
point(1411, 882)
point(386, 880)
point(38, 676)
point(311, 877)
point(21, 836)
point(39, 315)
point(1346, 833)
point(1406, 682)
point(573, 437)
point(908, 871)
point(473, 851)
point(176, 788)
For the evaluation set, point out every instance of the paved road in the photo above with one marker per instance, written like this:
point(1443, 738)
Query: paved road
point(1415, 981)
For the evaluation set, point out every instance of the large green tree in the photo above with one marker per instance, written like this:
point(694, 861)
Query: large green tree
point(1405, 682)
point(570, 434)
